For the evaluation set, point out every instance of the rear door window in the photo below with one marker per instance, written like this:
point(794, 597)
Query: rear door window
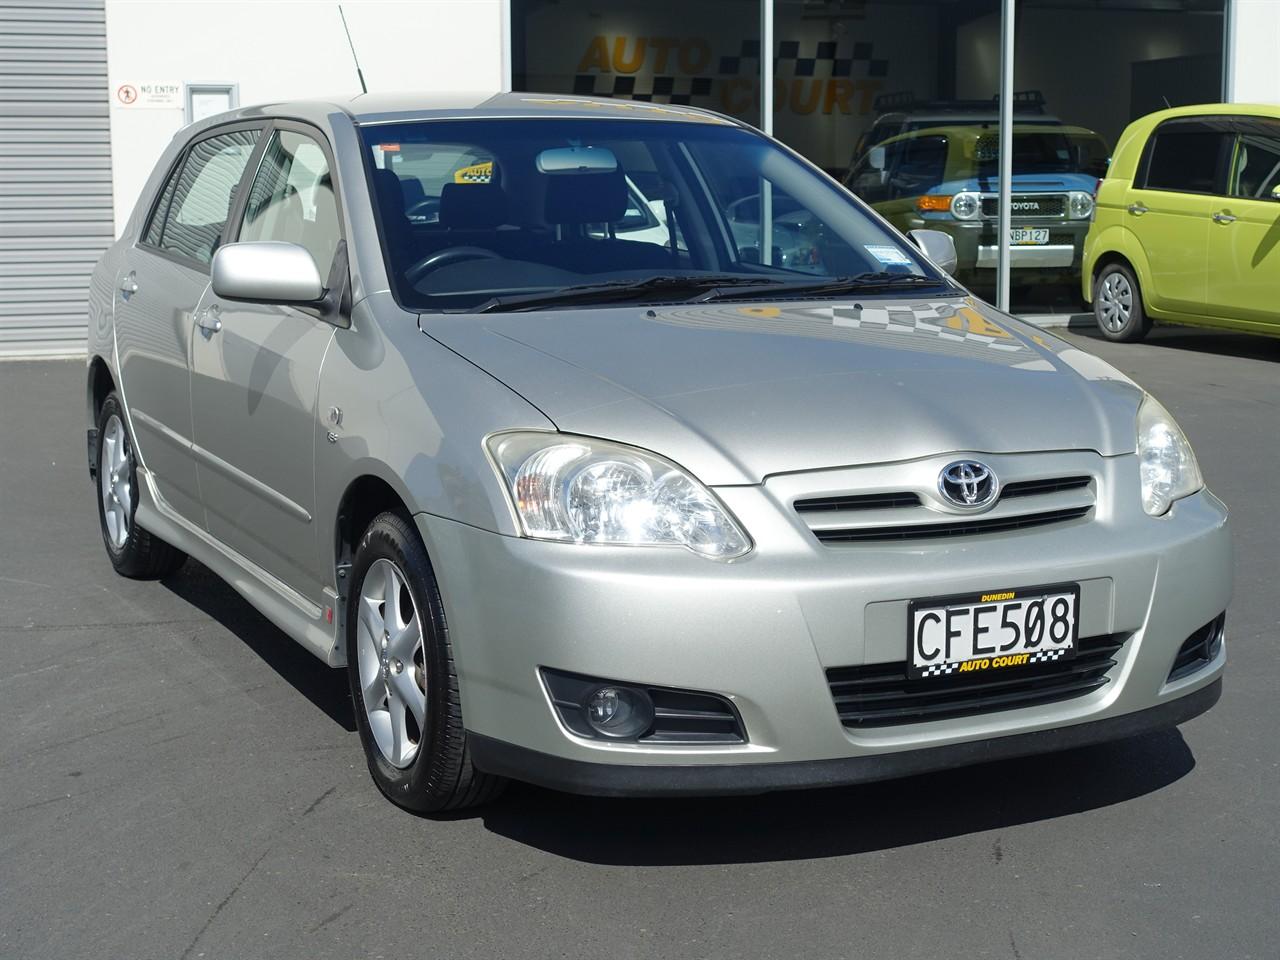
point(202, 196)
point(1188, 157)
point(156, 225)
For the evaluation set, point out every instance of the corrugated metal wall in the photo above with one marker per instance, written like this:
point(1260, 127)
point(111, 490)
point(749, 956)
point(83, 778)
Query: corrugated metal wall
point(55, 170)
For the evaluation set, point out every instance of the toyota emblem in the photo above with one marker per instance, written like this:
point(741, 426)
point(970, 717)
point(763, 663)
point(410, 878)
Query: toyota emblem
point(968, 483)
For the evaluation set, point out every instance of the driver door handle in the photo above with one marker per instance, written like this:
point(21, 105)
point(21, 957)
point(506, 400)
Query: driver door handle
point(209, 319)
point(1223, 217)
point(1137, 209)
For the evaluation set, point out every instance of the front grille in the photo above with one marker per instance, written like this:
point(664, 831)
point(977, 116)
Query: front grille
point(895, 515)
point(952, 528)
point(1199, 649)
point(881, 695)
point(1029, 488)
point(1028, 206)
point(869, 501)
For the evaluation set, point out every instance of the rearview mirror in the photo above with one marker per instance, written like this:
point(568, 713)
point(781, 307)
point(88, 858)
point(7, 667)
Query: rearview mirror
point(577, 160)
point(266, 271)
point(937, 246)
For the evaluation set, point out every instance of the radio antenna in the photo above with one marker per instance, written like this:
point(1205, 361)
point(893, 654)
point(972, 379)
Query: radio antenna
point(347, 30)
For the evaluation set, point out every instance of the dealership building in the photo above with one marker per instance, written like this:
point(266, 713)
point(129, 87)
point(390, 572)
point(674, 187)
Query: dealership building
point(91, 91)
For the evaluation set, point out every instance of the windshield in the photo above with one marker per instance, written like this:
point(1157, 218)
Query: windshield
point(1042, 153)
point(472, 210)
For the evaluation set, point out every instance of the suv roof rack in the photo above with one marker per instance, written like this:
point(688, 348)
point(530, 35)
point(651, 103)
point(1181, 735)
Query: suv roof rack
point(1024, 101)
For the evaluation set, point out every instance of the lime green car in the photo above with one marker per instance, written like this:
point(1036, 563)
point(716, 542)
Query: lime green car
point(1187, 223)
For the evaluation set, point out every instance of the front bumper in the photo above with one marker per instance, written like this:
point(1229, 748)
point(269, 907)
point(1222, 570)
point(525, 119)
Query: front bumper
point(977, 243)
point(617, 780)
point(762, 632)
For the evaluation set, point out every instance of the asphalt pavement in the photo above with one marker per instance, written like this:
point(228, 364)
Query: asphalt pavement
point(177, 779)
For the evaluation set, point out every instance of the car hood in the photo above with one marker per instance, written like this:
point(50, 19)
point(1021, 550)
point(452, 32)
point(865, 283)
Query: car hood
point(1022, 183)
point(736, 393)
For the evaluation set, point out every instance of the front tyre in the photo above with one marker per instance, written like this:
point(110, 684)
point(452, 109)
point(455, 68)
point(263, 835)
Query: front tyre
point(403, 683)
point(133, 552)
point(1117, 305)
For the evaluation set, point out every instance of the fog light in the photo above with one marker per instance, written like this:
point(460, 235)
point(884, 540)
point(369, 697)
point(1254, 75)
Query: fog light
point(619, 713)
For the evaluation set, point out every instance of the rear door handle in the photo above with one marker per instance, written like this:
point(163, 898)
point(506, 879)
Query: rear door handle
point(1137, 209)
point(209, 319)
point(129, 285)
point(1223, 217)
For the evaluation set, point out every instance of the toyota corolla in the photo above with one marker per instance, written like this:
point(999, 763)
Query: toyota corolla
point(633, 511)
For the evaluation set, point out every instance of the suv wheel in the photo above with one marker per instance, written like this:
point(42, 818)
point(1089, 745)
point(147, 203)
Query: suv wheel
point(1117, 305)
point(134, 552)
point(403, 683)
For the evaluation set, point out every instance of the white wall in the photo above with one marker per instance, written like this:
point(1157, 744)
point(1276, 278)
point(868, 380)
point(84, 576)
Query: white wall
point(284, 49)
point(1254, 74)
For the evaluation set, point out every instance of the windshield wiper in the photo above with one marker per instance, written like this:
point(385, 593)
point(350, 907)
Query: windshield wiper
point(829, 285)
point(677, 288)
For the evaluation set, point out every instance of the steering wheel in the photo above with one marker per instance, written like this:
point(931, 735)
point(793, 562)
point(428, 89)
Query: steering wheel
point(427, 209)
point(445, 257)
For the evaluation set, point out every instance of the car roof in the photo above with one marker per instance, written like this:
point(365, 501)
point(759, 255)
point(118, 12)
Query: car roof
point(942, 118)
point(1214, 110)
point(369, 108)
point(974, 132)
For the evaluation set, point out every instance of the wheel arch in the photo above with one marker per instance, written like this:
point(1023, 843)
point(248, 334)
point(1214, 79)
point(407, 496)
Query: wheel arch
point(98, 384)
point(367, 495)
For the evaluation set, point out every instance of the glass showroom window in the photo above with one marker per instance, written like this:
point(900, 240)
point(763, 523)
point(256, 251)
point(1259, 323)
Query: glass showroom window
point(899, 99)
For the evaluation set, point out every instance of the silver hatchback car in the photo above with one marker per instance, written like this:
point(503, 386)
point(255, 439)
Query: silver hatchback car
point(633, 508)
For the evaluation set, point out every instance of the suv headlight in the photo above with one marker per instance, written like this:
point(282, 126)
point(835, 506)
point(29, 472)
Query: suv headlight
point(583, 490)
point(1079, 205)
point(966, 206)
point(1166, 463)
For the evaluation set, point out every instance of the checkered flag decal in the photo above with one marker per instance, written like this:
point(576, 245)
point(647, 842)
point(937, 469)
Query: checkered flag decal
point(825, 58)
point(939, 669)
point(830, 58)
point(678, 90)
point(936, 319)
point(1044, 656)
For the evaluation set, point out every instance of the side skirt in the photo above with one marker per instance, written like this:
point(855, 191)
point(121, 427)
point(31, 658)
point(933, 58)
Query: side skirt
point(289, 610)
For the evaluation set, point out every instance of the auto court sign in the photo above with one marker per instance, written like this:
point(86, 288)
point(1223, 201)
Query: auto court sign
point(167, 96)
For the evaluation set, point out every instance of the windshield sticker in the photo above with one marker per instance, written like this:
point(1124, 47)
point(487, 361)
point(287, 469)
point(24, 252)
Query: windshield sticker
point(890, 256)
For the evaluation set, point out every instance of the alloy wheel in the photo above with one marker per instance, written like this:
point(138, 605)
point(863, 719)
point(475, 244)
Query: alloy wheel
point(392, 663)
point(1115, 302)
point(115, 481)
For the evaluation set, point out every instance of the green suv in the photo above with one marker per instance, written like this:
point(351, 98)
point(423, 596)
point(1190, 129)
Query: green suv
point(1188, 223)
point(947, 178)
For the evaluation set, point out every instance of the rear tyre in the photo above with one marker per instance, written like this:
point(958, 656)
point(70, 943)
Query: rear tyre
point(133, 552)
point(1117, 305)
point(404, 686)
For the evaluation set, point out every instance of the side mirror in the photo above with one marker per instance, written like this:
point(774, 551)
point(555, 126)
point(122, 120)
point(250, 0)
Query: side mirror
point(937, 246)
point(1275, 192)
point(266, 271)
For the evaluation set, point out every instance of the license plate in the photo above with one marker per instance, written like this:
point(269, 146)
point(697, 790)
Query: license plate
point(992, 631)
point(1028, 236)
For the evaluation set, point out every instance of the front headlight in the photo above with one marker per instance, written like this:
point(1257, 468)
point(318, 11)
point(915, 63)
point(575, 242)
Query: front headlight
point(584, 490)
point(966, 206)
point(1165, 461)
point(1080, 204)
